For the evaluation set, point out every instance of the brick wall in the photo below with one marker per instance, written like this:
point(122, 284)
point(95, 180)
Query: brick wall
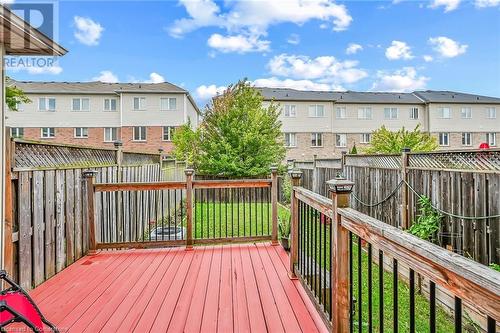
point(455, 140)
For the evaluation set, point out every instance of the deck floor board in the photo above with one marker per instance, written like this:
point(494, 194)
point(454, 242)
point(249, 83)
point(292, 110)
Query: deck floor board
point(226, 288)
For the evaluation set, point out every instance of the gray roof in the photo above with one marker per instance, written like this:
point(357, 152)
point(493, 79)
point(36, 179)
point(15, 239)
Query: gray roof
point(94, 87)
point(433, 96)
point(417, 97)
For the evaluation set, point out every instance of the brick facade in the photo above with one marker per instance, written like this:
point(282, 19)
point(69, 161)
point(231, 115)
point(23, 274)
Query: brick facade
point(455, 140)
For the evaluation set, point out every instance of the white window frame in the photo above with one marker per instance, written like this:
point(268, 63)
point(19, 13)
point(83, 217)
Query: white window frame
point(441, 112)
point(109, 101)
point(80, 99)
point(414, 111)
point(143, 131)
point(290, 110)
point(169, 133)
point(365, 138)
point(466, 112)
point(491, 139)
point(142, 105)
point(389, 113)
point(47, 109)
point(14, 132)
point(441, 137)
point(467, 139)
point(341, 140)
point(365, 113)
point(169, 106)
point(50, 134)
point(313, 111)
point(84, 132)
point(491, 112)
point(315, 137)
point(112, 130)
point(341, 112)
point(291, 143)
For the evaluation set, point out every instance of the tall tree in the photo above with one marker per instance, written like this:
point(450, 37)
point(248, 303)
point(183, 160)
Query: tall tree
point(239, 136)
point(386, 141)
point(14, 96)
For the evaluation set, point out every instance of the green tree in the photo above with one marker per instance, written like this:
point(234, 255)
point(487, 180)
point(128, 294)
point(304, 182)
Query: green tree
point(354, 150)
point(14, 96)
point(385, 141)
point(186, 142)
point(239, 137)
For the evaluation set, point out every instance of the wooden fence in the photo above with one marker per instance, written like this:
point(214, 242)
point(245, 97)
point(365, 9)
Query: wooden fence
point(315, 173)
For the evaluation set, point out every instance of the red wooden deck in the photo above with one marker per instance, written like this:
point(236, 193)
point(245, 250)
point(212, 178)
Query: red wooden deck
point(240, 288)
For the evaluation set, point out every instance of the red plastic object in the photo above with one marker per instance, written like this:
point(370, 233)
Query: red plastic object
point(18, 302)
point(484, 145)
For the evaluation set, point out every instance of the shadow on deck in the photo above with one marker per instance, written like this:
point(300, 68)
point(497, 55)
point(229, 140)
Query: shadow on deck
point(228, 288)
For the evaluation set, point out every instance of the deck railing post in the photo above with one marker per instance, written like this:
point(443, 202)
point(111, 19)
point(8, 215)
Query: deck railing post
point(274, 205)
point(340, 190)
point(189, 208)
point(294, 223)
point(89, 176)
point(404, 189)
point(8, 250)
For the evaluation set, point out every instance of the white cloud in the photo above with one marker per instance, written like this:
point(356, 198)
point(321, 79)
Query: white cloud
point(155, 78)
point(87, 31)
point(398, 50)
point(274, 82)
point(486, 3)
point(326, 68)
point(106, 76)
point(52, 70)
point(448, 5)
point(428, 58)
point(204, 92)
point(253, 17)
point(237, 43)
point(293, 39)
point(353, 48)
point(447, 47)
point(402, 80)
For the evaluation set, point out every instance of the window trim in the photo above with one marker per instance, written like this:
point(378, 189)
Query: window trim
point(488, 108)
point(81, 104)
point(141, 107)
point(145, 134)
point(47, 137)
point(461, 112)
point(345, 144)
point(494, 135)
point(470, 139)
point(295, 139)
point(412, 110)
point(362, 140)
point(169, 109)
point(390, 108)
point(110, 99)
point(364, 109)
point(170, 133)
point(290, 114)
point(441, 115)
point(337, 112)
point(47, 98)
point(447, 139)
point(316, 139)
point(107, 141)
point(17, 130)
point(80, 137)
point(316, 111)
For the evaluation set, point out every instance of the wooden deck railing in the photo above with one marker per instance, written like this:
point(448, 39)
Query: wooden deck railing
point(363, 274)
point(125, 215)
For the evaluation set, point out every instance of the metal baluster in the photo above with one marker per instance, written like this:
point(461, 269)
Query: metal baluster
point(370, 286)
point(351, 286)
point(381, 290)
point(360, 285)
point(432, 307)
point(395, 294)
point(412, 301)
point(458, 315)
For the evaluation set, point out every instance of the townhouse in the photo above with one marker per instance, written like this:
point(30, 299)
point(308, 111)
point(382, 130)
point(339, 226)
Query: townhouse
point(327, 123)
point(141, 115)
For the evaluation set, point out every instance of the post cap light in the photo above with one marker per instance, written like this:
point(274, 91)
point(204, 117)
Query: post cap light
point(89, 173)
point(340, 185)
point(274, 168)
point(118, 143)
point(189, 172)
point(295, 173)
point(161, 150)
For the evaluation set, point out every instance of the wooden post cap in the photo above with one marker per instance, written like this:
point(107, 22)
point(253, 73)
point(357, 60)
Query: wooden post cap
point(295, 173)
point(89, 173)
point(189, 172)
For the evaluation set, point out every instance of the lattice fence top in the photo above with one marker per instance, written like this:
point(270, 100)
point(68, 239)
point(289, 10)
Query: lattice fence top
point(374, 161)
point(30, 155)
point(332, 163)
point(130, 158)
point(484, 160)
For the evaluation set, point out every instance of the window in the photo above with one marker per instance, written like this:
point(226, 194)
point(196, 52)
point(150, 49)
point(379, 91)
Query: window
point(139, 133)
point(48, 132)
point(290, 140)
point(391, 113)
point(168, 104)
point(290, 110)
point(17, 132)
point(341, 113)
point(110, 104)
point(444, 139)
point(466, 139)
point(365, 113)
point(466, 113)
point(80, 104)
point(19, 107)
point(110, 134)
point(316, 139)
point(168, 133)
point(46, 104)
point(491, 139)
point(81, 132)
point(491, 113)
point(444, 113)
point(139, 103)
point(341, 140)
point(413, 113)
point(365, 138)
point(316, 111)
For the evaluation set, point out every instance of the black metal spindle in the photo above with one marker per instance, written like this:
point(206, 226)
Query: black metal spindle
point(381, 290)
point(458, 314)
point(370, 305)
point(182, 215)
point(432, 307)
point(261, 211)
point(313, 244)
point(238, 209)
point(220, 214)
point(412, 301)
point(162, 206)
point(491, 325)
point(244, 212)
point(351, 286)
point(325, 264)
point(214, 210)
point(225, 206)
point(395, 294)
point(360, 286)
point(175, 213)
point(202, 221)
point(330, 227)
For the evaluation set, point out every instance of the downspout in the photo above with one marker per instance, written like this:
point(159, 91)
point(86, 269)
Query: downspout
point(2, 153)
point(121, 116)
point(185, 108)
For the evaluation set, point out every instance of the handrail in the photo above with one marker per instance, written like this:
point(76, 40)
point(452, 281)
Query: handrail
point(467, 279)
point(315, 200)
point(114, 187)
point(232, 183)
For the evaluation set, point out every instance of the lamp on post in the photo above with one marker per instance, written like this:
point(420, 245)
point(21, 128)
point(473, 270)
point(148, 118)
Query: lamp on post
point(295, 174)
point(340, 185)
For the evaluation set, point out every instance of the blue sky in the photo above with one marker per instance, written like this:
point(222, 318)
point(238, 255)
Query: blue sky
point(204, 45)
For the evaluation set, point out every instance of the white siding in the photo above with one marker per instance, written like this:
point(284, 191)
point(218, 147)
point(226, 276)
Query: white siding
point(477, 123)
point(152, 115)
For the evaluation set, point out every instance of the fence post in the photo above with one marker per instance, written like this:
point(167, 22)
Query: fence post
point(274, 204)
point(119, 152)
point(8, 250)
point(340, 189)
point(189, 208)
point(294, 223)
point(404, 189)
point(342, 161)
point(315, 183)
point(89, 176)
